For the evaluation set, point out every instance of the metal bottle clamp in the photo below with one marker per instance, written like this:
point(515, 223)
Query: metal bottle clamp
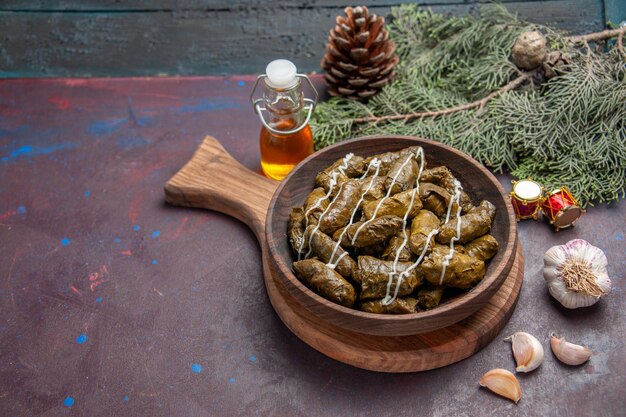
point(309, 105)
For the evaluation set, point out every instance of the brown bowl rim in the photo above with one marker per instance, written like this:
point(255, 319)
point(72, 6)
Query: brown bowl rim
point(492, 281)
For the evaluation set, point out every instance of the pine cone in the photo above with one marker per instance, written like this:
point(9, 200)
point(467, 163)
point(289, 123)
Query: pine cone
point(555, 63)
point(360, 58)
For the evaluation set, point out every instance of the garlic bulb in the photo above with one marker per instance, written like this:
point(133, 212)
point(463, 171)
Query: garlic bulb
point(527, 351)
point(576, 273)
point(503, 383)
point(567, 352)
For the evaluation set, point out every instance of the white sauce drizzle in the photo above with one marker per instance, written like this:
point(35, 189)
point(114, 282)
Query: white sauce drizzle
point(334, 265)
point(388, 300)
point(333, 182)
point(373, 163)
point(393, 181)
point(456, 198)
point(331, 186)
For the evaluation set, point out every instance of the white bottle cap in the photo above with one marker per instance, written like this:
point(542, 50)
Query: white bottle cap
point(281, 73)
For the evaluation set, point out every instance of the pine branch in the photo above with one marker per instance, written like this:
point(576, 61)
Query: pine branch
point(620, 46)
point(590, 37)
point(597, 36)
point(468, 106)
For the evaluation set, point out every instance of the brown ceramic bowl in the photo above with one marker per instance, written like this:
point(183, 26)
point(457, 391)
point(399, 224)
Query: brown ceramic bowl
point(477, 181)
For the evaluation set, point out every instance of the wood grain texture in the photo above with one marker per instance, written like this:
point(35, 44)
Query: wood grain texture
point(73, 38)
point(477, 181)
point(212, 179)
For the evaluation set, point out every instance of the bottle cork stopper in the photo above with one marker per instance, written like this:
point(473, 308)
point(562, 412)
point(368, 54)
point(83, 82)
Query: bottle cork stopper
point(281, 73)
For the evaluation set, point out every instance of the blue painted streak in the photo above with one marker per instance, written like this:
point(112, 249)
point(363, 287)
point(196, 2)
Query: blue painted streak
point(204, 105)
point(104, 127)
point(107, 127)
point(126, 142)
point(28, 151)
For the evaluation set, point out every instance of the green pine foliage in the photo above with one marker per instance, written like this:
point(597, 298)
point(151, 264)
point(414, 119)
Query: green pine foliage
point(569, 130)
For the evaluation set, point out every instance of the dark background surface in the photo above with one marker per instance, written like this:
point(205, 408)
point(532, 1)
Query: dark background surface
point(214, 37)
point(133, 308)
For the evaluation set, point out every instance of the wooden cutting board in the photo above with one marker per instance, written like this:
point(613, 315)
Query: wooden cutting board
point(212, 179)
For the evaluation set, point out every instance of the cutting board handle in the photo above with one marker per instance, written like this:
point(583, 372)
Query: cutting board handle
point(214, 180)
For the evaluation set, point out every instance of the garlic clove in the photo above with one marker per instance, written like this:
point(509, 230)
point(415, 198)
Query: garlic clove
point(589, 252)
point(527, 350)
point(555, 255)
point(602, 278)
point(549, 273)
point(569, 353)
point(503, 383)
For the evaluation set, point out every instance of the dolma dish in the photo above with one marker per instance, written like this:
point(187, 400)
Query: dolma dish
point(388, 235)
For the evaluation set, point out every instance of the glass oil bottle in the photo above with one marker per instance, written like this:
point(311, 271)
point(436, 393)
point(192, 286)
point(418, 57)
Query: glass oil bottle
point(285, 137)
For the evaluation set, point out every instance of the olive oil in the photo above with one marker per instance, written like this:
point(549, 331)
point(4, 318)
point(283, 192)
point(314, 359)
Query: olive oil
point(285, 137)
point(281, 153)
